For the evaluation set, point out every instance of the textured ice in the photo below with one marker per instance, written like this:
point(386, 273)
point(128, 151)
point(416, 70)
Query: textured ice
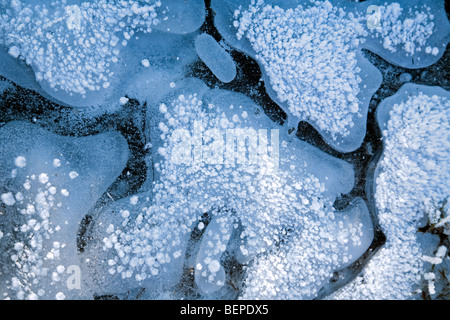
point(411, 180)
point(217, 200)
point(168, 56)
point(300, 268)
point(411, 34)
point(310, 54)
point(215, 57)
point(44, 205)
point(256, 208)
point(81, 54)
point(311, 61)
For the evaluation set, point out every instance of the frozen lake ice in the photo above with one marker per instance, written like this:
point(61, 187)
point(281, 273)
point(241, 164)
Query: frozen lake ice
point(224, 149)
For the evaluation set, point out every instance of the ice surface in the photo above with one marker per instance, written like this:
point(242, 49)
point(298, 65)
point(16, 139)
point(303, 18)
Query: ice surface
point(300, 268)
point(168, 56)
point(215, 57)
point(411, 180)
point(54, 181)
point(128, 250)
point(298, 49)
point(273, 206)
point(83, 54)
point(209, 272)
point(234, 205)
point(411, 34)
point(311, 62)
point(180, 17)
point(274, 200)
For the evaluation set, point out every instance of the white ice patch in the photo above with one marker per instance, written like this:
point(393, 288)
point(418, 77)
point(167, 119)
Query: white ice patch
point(410, 180)
point(45, 240)
point(82, 54)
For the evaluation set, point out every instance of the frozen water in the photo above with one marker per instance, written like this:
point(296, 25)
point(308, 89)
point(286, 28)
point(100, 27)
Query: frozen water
point(300, 46)
point(135, 247)
point(80, 53)
point(411, 34)
point(411, 180)
point(180, 17)
point(300, 268)
point(215, 57)
point(143, 243)
point(168, 56)
point(209, 273)
point(44, 205)
point(311, 62)
point(212, 184)
point(215, 200)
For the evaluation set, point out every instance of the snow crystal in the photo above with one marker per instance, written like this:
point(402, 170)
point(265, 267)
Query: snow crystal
point(56, 163)
point(43, 178)
point(14, 51)
point(73, 174)
point(214, 266)
point(134, 200)
point(60, 296)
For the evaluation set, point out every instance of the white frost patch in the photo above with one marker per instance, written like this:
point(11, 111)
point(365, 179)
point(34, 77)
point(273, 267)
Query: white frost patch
point(56, 163)
point(134, 200)
point(43, 178)
point(60, 296)
point(14, 51)
point(123, 100)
